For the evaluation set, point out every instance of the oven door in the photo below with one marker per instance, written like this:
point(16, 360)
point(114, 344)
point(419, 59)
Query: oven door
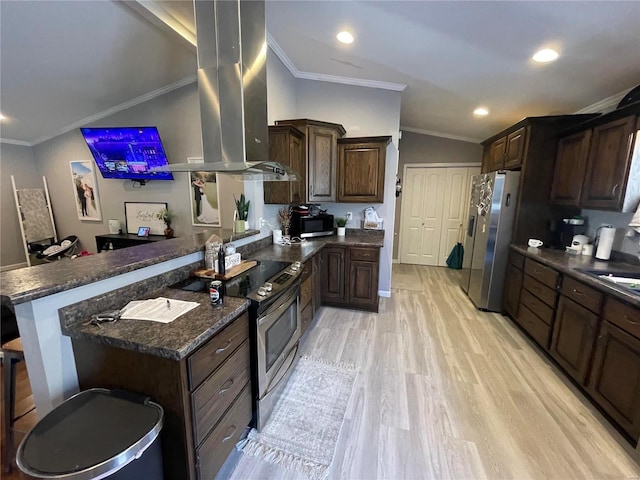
point(279, 330)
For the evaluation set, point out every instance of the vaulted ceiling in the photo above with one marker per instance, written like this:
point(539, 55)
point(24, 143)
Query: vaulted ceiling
point(65, 63)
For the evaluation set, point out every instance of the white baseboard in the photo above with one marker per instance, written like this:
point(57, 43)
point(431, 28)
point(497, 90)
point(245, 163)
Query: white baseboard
point(384, 293)
point(15, 266)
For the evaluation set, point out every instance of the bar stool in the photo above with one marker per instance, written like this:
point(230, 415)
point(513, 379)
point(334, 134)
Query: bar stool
point(12, 354)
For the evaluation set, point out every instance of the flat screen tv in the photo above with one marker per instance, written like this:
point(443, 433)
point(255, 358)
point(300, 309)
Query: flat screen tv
point(127, 153)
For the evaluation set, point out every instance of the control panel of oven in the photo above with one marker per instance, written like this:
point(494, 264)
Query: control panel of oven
point(278, 283)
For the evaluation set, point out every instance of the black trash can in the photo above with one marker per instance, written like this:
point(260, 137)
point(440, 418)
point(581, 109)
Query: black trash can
point(96, 434)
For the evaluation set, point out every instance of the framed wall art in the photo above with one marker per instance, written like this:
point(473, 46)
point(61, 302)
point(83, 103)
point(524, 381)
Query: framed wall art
point(205, 199)
point(144, 215)
point(85, 190)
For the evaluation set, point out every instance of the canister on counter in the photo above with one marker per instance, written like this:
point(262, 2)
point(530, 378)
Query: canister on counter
point(215, 293)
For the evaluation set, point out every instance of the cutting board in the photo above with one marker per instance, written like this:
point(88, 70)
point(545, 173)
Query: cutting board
point(232, 272)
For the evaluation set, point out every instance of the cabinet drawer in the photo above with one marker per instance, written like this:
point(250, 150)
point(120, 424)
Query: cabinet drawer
point(535, 327)
point(307, 269)
point(209, 357)
point(216, 448)
point(516, 259)
point(306, 290)
point(537, 306)
point(622, 315)
point(543, 274)
point(216, 393)
point(544, 293)
point(586, 296)
point(306, 317)
point(367, 254)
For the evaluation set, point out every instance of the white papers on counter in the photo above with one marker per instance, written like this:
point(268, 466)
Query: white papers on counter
point(161, 309)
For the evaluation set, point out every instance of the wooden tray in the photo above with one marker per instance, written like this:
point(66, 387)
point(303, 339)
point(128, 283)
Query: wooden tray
point(232, 272)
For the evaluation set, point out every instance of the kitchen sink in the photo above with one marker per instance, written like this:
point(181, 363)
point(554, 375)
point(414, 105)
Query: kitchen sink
point(629, 281)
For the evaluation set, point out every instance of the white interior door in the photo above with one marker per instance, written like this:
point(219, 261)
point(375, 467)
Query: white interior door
point(434, 204)
point(422, 211)
point(454, 213)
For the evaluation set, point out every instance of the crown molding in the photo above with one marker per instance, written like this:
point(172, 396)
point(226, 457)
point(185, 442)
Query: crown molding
point(441, 134)
point(118, 108)
point(321, 77)
point(284, 58)
point(157, 14)
point(605, 105)
point(21, 143)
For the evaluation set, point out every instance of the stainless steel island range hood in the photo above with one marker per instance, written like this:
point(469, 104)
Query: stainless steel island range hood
point(232, 86)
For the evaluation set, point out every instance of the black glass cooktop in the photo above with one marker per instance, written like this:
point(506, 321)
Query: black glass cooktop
point(242, 285)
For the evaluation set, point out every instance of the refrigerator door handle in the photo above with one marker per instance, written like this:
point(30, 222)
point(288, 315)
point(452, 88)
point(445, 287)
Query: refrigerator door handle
point(508, 202)
point(472, 221)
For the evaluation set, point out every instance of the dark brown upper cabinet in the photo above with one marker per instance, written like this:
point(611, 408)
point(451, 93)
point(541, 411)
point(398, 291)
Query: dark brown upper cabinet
point(514, 153)
point(321, 142)
point(361, 169)
point(608, 164)
point(570, 169)
point(530, 146)
point(506, 152)
point(286, 145)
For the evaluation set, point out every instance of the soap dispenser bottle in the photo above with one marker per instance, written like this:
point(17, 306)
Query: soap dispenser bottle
point(221, 261)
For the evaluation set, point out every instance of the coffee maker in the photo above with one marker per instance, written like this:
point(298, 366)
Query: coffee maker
point(563, 231)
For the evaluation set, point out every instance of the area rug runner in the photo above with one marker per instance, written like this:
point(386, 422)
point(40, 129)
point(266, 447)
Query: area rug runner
point(303, 429)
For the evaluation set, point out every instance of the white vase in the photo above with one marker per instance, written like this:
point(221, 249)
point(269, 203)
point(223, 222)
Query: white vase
point(342, 231)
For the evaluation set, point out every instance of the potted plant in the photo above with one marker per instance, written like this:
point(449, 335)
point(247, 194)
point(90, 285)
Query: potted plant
point(242, 213)
point(165, 215)
point(341, 223)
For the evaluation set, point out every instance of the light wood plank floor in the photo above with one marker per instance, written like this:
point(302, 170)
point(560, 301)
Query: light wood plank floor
point(448, 392)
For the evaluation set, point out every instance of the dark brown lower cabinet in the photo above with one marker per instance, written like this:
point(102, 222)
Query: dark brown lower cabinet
point(317, 281)
point(333, 275)
point(574, 332)
point(206, 396)
point(615, 377)
point(350, 277)
point(512, 287)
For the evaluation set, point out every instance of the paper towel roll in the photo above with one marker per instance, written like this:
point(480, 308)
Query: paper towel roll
point(605, 242)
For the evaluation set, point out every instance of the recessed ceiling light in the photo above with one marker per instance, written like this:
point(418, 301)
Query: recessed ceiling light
point(545, 55)
point(345, 37)
point(481, 111)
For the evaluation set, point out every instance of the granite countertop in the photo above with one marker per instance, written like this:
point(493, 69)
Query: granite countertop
point(572, 264)
point(173, 340)
point(304, 251)
point(30, 283)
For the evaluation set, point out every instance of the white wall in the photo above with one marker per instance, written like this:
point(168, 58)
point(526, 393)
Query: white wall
point(21, 163)
point(177, 116)
point(419, 148)
point(363, 112)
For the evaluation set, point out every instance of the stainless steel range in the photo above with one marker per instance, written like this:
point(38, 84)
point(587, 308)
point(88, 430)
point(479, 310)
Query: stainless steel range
point(275, 327)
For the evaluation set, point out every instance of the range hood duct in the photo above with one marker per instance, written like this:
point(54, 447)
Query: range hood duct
point(232, 86)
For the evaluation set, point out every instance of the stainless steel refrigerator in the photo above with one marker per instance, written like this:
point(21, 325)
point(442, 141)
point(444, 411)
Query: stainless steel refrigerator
point(492, 207)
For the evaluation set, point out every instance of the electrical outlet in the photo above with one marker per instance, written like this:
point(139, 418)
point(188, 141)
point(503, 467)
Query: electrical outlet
point(349, 216)
point(261, 222)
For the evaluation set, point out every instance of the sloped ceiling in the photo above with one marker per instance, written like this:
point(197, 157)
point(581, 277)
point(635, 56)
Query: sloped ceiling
point(63, 62)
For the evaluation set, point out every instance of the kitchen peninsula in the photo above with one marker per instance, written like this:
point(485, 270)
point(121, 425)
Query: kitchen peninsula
point(36, 293)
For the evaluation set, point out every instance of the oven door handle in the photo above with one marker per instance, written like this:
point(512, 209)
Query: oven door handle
point(279, 307)
point(277, 378)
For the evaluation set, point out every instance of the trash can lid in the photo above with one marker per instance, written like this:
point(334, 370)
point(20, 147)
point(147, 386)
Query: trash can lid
point(92, 433)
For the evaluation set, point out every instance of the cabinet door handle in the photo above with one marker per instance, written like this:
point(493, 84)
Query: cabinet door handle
point(231, 430)
point(615, 188)
point(631, 321)
point(222, 349)
point(226, 386)
point(578, 292)
point(311, 189)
